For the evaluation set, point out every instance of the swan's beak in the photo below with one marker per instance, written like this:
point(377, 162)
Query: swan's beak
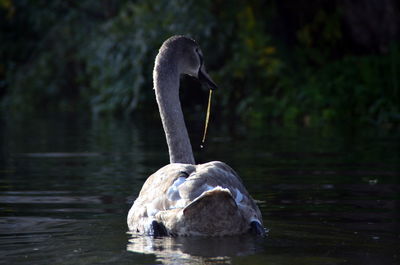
point(205, 79)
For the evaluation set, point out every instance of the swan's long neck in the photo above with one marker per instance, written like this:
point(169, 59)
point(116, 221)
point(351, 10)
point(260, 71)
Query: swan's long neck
point(166, 84)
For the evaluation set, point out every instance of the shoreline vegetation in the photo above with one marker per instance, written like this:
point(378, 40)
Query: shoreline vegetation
point(289, 62)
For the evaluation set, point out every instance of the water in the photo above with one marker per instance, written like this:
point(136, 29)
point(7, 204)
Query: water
point(66, 185)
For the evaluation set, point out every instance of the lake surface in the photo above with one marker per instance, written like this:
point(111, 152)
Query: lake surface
point(66, 185)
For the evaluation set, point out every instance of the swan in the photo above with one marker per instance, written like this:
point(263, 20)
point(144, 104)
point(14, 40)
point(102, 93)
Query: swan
point(182, 198)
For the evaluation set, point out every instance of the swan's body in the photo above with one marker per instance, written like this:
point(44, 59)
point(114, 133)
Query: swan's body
point(183, 198)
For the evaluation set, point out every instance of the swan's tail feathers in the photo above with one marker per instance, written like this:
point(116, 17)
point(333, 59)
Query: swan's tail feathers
point(212, 201)
point(214, 212)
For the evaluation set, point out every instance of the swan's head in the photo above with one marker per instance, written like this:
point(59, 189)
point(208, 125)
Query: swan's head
point(190, 59)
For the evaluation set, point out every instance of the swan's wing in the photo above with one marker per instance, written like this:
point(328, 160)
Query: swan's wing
point(210, 175)
point(215, 175)
point(157, 194)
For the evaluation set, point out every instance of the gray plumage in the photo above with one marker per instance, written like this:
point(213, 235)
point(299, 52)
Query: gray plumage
point(183, 198)
point(167, 70)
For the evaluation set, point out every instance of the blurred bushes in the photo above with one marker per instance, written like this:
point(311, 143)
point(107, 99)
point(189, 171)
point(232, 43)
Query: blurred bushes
point(95, 55)
point(271, 60)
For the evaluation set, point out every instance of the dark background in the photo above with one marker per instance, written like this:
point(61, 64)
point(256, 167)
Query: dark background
point(292, 62)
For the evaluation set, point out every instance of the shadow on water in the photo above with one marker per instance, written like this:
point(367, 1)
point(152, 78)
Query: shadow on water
point(66, 185)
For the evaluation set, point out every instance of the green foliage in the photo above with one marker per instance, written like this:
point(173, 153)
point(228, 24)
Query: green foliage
point(354, 89)
point(88, 59)
point(119, 55)
point(97, 57)
point(43, 68)
point(251, 67)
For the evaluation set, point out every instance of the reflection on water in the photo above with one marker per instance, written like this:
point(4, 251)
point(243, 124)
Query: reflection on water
point(66, 186)
point(195, 250)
